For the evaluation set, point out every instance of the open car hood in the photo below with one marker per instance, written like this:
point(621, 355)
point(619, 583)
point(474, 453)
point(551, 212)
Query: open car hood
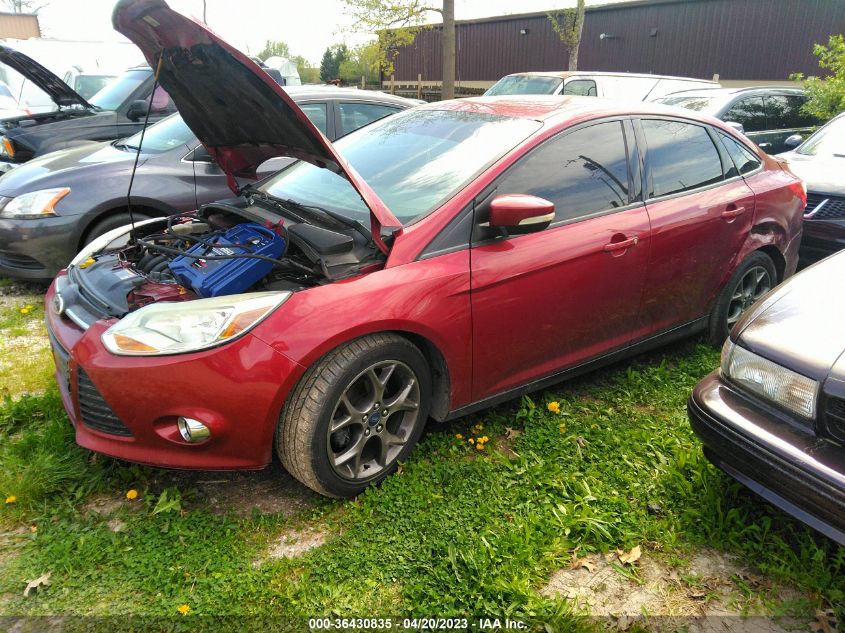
point(61, 94)
point(237, 111)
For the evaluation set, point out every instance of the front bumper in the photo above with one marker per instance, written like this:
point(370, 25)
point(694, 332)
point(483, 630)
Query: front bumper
point(821, 238)
point(36, 249)
point(799, 473)
point(127, 407)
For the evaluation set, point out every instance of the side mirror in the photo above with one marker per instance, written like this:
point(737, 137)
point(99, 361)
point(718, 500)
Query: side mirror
point(794, 141)
point(137, 110)
point(520, 213)
point(735, 126)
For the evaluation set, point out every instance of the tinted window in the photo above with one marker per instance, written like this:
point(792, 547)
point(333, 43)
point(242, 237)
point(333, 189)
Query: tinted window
point(582, 172)
point(784, 112)
point(749, 112)
point(355, 115)
point(745, 160)
point(681, 157)
point(582, 87)
point(697, 103)
point(318, 114)
point(112, 96)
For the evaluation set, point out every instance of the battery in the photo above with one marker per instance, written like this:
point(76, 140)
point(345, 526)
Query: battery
point(218, 277)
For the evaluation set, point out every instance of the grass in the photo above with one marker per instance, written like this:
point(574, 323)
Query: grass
point(26, 364)
point(459, 531)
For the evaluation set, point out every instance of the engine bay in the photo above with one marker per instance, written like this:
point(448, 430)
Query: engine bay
point(224, 248)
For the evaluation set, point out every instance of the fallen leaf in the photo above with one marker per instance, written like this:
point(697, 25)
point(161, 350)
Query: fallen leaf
point(825, 622)
point(585, 563)
point(629, 558)
point(42, 581)
point(581, 441)
point(512, 434)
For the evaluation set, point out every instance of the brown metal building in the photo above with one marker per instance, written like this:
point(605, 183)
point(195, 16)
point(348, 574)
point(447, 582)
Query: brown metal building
point(742, 41)
point(19, 26)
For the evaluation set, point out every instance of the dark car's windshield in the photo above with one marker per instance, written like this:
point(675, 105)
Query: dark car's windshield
point(415, 161)
point(828, 141)
point(163, 136)
point(116, 92)
point(698, 103)
point(524, 85)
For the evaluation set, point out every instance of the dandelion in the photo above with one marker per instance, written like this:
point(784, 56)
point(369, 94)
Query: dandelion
point(25, 310)
point(29, 307)
point(479, 446)
point(11, 499)
point(471, 440)
point(485, 439)
point(184, 609)
point(562, 428)
point(459, 436)
point(554, 407)
point(132, 494)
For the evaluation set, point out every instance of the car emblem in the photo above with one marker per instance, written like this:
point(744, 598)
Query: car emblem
point(58, 304)
point(375, 418)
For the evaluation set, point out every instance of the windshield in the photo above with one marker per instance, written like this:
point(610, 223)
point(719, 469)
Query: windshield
point(89, 85)
point(163, 136)
point(415, 161)
point(524, 85)
point(115, 93)
point(691, 102)
point(828, 141)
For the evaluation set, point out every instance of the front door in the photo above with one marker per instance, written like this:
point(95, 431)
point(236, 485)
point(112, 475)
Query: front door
point(549, 300)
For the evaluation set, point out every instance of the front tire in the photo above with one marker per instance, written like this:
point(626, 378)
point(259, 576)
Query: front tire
point(754, 278)
point(355, 415)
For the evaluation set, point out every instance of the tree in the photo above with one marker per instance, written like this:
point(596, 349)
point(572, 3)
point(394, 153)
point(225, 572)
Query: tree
point(569, 24)
point(362, 62)
point(397, 23)
point(274, 49)
point(826, 94)
point(307, 73)
point(23, 6)
point(332, 59)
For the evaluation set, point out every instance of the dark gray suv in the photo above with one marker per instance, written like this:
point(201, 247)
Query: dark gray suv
point(766, 115)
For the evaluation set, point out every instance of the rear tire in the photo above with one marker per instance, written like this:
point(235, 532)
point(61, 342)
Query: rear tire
point(754, 278)
point(355, 415)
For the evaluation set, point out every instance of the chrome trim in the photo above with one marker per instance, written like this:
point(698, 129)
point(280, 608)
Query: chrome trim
point(76, 319)
point(815, 210)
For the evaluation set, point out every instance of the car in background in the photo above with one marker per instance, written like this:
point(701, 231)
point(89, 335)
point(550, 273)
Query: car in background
point(630, 86)
point(65, 199)
point(766, 115)
point(86, 84)
point(820, 161)
point(328, 311)
point(115, 111)
point(9, 106)
point(773, 416)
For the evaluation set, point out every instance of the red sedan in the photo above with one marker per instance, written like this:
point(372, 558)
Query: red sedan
point(439, 261)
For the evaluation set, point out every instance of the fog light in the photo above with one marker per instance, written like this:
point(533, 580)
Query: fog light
point(193, 430)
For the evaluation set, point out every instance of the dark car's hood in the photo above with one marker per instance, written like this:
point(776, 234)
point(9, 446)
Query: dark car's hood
point(56, 89)
point(65, 168)
point(823, 174)
point(800, 325)
point(236, 110)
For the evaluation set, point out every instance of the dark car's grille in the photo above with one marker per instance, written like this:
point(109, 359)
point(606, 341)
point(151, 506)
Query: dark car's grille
point(836, 418)
point(94, 411)
point(821, 207)
point(16, 260)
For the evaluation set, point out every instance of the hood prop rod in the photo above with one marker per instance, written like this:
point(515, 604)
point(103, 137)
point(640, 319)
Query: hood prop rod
point(132, 237)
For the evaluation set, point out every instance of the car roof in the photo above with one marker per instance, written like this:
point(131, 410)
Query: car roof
point(564, 74)
point(560, 108)
point(729, 92)
point(356, 94)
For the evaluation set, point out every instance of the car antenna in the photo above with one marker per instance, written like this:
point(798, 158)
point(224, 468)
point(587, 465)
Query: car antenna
point(138, 151)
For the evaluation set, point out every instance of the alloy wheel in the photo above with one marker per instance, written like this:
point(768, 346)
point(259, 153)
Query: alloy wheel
point(373, 419)
point(754, 284)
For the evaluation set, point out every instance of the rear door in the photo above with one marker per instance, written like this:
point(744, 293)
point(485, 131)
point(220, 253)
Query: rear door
point(784, 118)
point(700, 210)
point(750, 113)
point(552, 299)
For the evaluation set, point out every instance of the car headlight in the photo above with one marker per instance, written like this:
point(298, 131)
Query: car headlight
point(175, 328)
point(7, 148)
point(769, 380)
point(35, 204)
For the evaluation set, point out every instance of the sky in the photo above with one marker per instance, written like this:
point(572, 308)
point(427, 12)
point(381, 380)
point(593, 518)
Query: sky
point(307, 27)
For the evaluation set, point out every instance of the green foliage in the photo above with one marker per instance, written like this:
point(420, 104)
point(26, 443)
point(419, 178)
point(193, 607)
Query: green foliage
point(332, 60)
point(826, 94)
point(363, 61)
point(459, 531)
point(569, 24)
point(274, 49)
point(307, 73)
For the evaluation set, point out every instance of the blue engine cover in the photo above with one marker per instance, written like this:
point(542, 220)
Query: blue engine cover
point(216, 277)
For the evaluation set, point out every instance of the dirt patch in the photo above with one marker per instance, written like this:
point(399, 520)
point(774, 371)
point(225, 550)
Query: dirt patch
point(709, 593)
point(294, 543)
point(103, 505)
point(268, 491)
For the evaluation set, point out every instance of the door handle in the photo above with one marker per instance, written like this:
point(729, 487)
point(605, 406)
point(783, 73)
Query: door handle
point(613, 247)
point(730, 214)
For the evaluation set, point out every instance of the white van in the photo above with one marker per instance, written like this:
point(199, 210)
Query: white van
point(630, 86)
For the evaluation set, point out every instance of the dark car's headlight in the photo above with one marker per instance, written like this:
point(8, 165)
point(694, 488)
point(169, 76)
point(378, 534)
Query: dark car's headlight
point(769, 380)
point(35, 204)
point(7, 147)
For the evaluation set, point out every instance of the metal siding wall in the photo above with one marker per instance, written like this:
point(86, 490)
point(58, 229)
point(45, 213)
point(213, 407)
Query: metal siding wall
point(738, 39)
point(20, 27)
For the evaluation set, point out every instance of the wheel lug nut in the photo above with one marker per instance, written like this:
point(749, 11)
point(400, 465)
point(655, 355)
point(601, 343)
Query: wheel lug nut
point(379, 428)
point(384, 412)
point(367, 432)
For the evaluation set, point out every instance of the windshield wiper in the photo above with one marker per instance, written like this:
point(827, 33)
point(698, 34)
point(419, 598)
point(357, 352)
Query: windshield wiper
point(120, 145)
point(342, 219)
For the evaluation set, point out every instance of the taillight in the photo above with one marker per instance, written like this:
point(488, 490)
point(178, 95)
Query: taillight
point(799, 188)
